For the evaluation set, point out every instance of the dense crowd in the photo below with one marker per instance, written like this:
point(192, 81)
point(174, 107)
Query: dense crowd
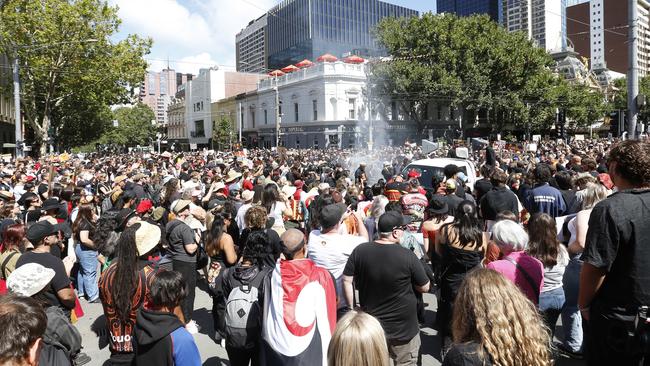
point(323, 256)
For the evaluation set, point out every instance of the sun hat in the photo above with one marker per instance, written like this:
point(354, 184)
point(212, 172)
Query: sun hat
point(29, 279)
point(232, 175)
point(51, 204)
point(180, 205)
point(147, 237)
point(247, 195)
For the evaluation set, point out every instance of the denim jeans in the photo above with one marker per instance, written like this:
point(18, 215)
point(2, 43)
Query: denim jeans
point(571, 318)
point(551, 304)
point(87, 275)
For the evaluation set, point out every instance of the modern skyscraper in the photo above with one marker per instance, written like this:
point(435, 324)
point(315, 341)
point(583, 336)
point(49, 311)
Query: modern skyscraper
point(305, 29)
point(158, 89)
point(251, 46)
point(540, 19)
point(598, 31)
point(493, 8)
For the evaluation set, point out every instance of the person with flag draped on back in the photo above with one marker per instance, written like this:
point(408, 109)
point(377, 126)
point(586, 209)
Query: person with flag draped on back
point(299, 308)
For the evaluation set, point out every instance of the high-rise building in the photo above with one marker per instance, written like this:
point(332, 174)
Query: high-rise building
point(251, 45)
point(493, 8)
point(540, 19)
point(306, 29)
point(158, 89)
point(598, 31)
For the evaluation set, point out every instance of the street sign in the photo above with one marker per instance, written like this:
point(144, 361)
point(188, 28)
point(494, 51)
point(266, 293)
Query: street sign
point(9, 145)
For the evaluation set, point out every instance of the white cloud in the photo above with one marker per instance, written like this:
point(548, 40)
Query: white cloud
point(193, 34)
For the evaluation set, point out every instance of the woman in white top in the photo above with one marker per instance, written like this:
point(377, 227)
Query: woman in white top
point(276, 205)
point(571, 319)
point(544, 245)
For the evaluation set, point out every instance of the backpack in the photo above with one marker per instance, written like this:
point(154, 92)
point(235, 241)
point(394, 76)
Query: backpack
point(244, 313)
point(107, 204)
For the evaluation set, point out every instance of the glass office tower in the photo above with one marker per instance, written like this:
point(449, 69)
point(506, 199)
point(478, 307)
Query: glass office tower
point(306, 29)
point(493, 8)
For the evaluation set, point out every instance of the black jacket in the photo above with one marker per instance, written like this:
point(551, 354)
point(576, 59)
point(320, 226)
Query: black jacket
point(153, 343)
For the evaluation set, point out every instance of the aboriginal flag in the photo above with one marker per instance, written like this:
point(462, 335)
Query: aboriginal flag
point(299, 314)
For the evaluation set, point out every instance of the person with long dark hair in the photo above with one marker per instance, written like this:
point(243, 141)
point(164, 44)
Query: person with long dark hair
point(247, 274)
point(544, 245)
point(276, 205)
point(221, 250)
point(124, 286)
point(86, 252)
point(171, 193)
point(461, 246)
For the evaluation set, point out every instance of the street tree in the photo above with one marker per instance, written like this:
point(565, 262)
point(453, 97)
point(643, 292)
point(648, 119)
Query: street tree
point(70, 65)
point(620, 97)
point(134, 127)
point(223, 132)
point(470, 63)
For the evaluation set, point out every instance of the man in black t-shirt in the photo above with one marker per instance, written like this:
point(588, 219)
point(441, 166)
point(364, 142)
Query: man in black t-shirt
point(43, 235)
point(614, 282)
point(386, 291)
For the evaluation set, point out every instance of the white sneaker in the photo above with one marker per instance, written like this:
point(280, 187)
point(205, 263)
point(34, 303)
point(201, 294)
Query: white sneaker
point(192, 327)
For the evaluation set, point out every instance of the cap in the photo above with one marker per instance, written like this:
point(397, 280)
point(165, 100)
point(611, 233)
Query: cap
point(331, 215)
point(180, 205)
point(144, 206)
point(29, 279)
point(51, 204)
point(414, 174)
point(147, 237)
point(392, 220)
point(450, 184)
point(138, 177)
point(40, 230)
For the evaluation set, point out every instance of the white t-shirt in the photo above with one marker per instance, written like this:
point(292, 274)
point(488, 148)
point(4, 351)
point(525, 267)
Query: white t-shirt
point(331, 251)
point(241, 223)
point(276, 212)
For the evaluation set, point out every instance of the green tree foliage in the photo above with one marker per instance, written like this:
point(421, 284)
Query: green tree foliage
point(223, 133)
point(134, 127)
point(620, 96)
point(471, 63)
point(70, 67)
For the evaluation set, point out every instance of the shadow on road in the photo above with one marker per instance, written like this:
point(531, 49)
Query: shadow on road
point(216, 361)
point(99, 328)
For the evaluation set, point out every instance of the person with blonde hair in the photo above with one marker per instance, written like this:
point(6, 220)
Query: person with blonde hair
point(358, 341)
point(496, 324)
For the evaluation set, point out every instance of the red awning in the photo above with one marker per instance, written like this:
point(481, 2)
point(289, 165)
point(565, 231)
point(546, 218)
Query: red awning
point(327, 58)
point(354, 60)
point(305, 63)
point(290, 68)
point(276, 73)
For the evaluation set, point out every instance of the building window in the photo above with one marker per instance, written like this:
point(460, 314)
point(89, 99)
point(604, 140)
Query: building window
point(199, 129)
point(266, 117)
point(295, 112)
point(439, 112)
point(314, 105)
point(253, 117)
point(393, 111)
point(352, 102)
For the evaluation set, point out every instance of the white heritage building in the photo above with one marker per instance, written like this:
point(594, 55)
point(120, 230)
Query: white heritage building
point(320, 105)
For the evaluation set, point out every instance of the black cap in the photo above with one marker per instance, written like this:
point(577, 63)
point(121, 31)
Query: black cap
point(331, 215)
point(39, 230)
point(122, 217)
point(391, 220)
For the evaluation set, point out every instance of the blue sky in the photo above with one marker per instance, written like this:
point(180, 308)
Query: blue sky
point(194, 34)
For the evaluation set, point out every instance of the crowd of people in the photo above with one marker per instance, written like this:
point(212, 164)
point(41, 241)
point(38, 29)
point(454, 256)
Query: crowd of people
point(323, 256)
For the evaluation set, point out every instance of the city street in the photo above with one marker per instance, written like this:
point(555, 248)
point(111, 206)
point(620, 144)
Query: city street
point(93, 330)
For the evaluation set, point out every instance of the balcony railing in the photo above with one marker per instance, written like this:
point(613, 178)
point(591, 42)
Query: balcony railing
point(196, 134)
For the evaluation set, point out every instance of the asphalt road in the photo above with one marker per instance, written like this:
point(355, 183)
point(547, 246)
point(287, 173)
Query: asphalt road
point(95, 343)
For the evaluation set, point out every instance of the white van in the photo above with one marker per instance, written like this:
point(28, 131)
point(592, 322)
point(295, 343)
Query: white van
point(429, 167)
